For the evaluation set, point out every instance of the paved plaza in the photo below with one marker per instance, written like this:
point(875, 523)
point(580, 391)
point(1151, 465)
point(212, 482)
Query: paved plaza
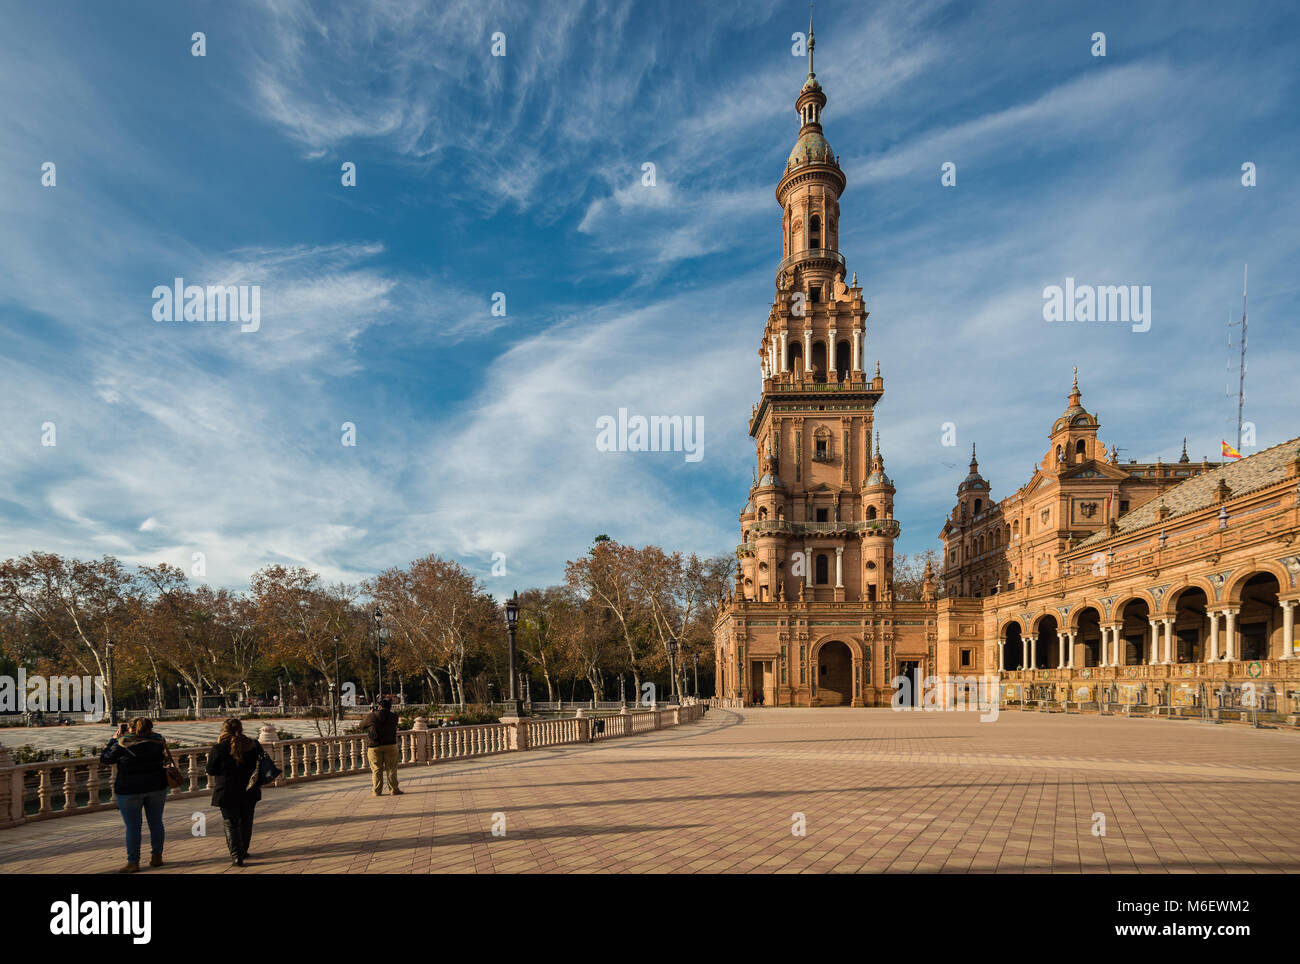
point(880, 791)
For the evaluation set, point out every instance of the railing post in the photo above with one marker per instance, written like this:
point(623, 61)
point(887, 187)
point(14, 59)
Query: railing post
point(11, 790)
point(522, 738)
point(270, 741)
point(658, 716)
point(584, 728)
point(420, 735)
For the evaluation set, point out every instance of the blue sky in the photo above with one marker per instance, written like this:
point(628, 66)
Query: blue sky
point(523, 174)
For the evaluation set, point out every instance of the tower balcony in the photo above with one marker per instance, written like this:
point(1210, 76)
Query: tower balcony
point(829, 255)
point(888, 528)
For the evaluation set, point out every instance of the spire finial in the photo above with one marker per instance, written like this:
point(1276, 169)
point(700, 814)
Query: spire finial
point(1075, 389)
point(812, 43)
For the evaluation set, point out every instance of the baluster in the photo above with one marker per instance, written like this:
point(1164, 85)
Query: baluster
point(92, 784)
point(44, 791)
point(69, 788)
point(193, 775)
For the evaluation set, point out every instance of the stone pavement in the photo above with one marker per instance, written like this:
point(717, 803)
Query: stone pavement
point(879, 790)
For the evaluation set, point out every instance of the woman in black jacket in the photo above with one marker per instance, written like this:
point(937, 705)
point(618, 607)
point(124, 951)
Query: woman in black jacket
point(235, 761)
point(138, 753)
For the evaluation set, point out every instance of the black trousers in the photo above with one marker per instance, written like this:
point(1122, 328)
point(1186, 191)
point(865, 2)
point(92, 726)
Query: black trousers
point(239, 827)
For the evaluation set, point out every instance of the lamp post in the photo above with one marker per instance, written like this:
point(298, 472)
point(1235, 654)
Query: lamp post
point(112, 687)
point(336, 708)
point(512, 621)
point(672, 667)
point(379, 656)
point(695, 663)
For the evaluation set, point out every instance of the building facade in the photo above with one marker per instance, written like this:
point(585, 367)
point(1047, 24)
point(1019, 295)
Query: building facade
point(1098, 583)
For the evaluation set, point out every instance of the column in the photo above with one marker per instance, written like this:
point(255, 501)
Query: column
point(1169, 640)
point(785, 357)
point(1230, 651)
point(1002, 655)
point(1121, 648)
point(857, 349)
point(808, 566)
point(1069, 661)
point(1033, 653)
point(1103, 658)
point(1153, 651)
point(1288, 627)
point(1060, 649)
point(1213, 655)
point(839, 567)
point(807, 351)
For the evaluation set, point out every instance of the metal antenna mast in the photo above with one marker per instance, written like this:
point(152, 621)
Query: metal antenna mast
point(1241, 375)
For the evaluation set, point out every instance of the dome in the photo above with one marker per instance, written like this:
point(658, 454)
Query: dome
point(770, 479)
point(811, 148)
point(878, 478)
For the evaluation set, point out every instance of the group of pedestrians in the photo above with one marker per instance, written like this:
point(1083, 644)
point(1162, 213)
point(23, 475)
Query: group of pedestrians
point(239, 767)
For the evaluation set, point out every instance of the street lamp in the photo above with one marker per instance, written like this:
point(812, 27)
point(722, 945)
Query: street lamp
point(695, 663)
point(672, 668)
point(512, 622)
point(336, 709)
point(112, 711)
point(379, 657)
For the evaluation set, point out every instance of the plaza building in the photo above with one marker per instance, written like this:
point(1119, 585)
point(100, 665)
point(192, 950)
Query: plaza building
point(1166, 588)
point(812, 619)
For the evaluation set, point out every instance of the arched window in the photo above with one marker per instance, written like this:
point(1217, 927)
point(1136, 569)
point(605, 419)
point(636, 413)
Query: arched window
point(871, 512)
point(1079, 450)
point(823, 569)
point(843, 358)
point(762, 514)
point(1060, 455)
point(979, 504)
point(795, 351)
point(814, 232)
point(819, 361)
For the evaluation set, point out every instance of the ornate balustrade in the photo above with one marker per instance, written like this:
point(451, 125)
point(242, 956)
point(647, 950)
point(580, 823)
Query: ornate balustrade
point(61, 788)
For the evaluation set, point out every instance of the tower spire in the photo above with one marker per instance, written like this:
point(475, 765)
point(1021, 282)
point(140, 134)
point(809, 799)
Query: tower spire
point(812, 43)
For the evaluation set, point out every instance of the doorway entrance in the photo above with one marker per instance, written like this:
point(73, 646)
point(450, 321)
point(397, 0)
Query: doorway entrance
point(911, 668)
point(834, 675)
point(762, 681)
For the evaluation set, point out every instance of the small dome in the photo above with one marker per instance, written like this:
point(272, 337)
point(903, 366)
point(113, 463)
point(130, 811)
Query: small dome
point(879, 478)
point(811, 148)
point(770, 479)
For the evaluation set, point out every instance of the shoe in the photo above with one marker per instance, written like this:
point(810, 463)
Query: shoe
point(130, 868)
point(376, 794)
point(398, 793)
point(155, 860)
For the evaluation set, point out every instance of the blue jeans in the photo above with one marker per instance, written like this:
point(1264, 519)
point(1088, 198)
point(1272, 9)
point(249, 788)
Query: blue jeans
point(129, 805)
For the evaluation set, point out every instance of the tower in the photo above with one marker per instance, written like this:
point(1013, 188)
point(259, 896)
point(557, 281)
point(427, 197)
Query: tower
point(819, 524)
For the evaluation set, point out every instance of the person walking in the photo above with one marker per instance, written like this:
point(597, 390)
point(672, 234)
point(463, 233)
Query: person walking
point(140, 785)
point(235, 761)
point(381, 746)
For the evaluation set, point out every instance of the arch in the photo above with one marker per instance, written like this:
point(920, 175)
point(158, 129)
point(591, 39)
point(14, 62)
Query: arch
point(1232, 594)
point(833, 664)
point(762, 513)
point(979, 504)
point(871, 512)
point(819, 361)
point(1169, 606)
point(1079, 450)
point(815, 231)
point(823, 564)
point(1259, 621)
point(1085, 623)
point(1013, 650)
point(1188, 606)
point(794, 356)
point(1140, 595)
point(843, 359)
point(1046, 629)
point(1132, 614)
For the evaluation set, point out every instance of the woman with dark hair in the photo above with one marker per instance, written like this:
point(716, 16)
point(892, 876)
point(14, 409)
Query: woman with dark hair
point(235, 761)
point(140, 784)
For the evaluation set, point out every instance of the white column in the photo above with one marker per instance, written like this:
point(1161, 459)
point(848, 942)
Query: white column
point(1069, 661)
point(1103, 658)
point(1169, 640)
point(857, 349)
point(1033, 653)
point(1288, 627)
point(785, 358)
point(808, 566)
point(1153, 651)
point(1231, 652)
point(1060, 649)
point(1002, 655)
point(1212, 656)
point(839, 567)
point(807, 351)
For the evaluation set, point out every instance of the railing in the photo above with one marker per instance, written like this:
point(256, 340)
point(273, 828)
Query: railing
point(60, 788)
point(812, 254)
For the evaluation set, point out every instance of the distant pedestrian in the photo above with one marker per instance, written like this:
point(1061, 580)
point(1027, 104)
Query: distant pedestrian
point(235, 760)
point(140, 784)
point(381, 746)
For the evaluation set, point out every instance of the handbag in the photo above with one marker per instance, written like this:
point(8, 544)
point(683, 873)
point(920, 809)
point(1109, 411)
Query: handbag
point(171, 771)
point(265, 772)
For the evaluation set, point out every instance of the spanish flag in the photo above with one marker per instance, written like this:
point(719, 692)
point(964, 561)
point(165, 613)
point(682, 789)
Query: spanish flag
point(1229, 452)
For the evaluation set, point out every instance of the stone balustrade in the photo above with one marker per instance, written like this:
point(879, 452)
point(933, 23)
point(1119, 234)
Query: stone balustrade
point(61, 788)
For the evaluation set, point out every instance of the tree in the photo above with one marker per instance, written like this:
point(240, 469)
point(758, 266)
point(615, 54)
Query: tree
point(909, 572)
point(607, 575)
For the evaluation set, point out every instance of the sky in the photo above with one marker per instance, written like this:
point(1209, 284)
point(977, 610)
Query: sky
point(519, 182)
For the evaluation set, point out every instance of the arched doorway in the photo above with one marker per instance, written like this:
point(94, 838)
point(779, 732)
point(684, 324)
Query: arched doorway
point(834, 674)
point(1089, 636)
point(1047, 653)
point(843, 359)
point(819, 361)
point(795, 352)
point(1260, 622)
point(1135, 634)
point(1191, 626)
point(1013, 653)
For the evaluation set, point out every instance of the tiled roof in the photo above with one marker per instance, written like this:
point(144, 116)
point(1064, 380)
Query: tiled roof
point(1199, 492)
